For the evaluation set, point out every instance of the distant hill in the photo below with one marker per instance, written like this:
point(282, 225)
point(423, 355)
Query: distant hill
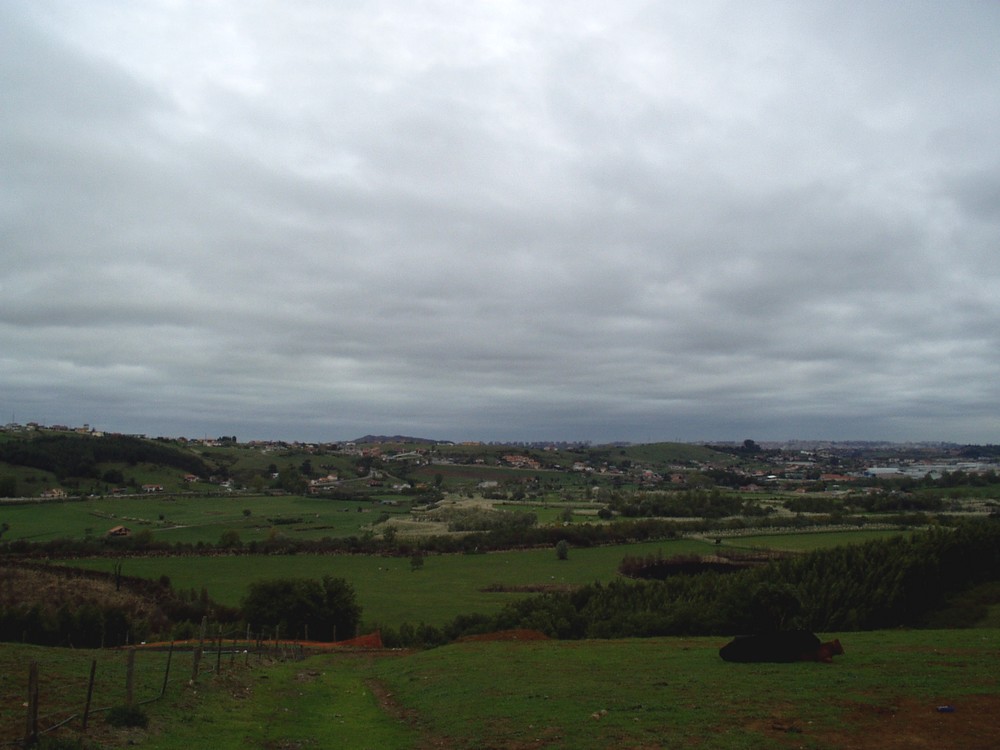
point(396, 439)
point(680, 453)
point(70, 455)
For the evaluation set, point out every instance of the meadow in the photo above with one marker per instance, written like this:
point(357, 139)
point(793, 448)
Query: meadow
point(391, 592)
point(884, 692)
point(192, 519)
point(388, 589)
point(806, 541)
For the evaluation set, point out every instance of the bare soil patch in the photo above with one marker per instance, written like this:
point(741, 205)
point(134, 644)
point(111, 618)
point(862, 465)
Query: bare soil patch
point(904, 724)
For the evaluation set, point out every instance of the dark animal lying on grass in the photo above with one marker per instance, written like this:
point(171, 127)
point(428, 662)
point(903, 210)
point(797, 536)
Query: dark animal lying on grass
point(785, 646)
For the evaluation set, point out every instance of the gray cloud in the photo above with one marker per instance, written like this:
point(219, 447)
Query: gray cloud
point(523, 221)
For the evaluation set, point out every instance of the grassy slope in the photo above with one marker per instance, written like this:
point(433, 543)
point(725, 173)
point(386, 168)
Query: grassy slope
point(656, 693)
point(660, 454)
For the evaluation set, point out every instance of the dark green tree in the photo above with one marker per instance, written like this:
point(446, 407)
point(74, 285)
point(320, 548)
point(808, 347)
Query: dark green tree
point(773, 606)
point(327, 609)
point(8, 486)
point(416, 561)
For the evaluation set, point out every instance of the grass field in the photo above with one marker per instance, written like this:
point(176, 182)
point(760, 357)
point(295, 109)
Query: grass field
point(391, 593)
point(193, 519)
point(388, 590)
point(884, 692)
point(807, 541)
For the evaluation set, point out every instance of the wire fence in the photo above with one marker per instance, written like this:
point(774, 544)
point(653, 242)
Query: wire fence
point(54, 688)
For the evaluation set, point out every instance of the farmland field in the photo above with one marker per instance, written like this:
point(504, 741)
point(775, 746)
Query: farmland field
point(388, 590)
point(391, 593)
point(807, 541)
point(193, 519)
point(884, 692)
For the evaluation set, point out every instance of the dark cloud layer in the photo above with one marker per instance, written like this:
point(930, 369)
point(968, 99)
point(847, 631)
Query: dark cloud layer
point(685, 221)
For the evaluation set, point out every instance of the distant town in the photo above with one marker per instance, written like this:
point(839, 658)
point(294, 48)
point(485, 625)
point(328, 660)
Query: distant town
point(404, 463)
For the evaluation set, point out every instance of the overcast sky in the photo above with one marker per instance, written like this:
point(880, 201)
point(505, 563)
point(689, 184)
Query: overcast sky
point(507, 220)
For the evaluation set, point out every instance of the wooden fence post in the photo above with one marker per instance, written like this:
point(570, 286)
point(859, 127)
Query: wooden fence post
point(196, 662)
point(90, 693)
point(198, 650)
point(130, 678)
point(166, 672)
point(218, 653)
point(31, 729)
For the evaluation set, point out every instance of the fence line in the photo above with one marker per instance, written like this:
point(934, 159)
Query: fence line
point(36, 723)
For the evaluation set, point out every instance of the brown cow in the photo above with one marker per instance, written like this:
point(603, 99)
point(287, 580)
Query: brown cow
point(780, 646)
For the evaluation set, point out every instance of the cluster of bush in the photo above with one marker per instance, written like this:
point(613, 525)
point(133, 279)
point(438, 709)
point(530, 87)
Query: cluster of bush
point(686, 504)
point(879, 502)
point(131, 610)
point(901, 581)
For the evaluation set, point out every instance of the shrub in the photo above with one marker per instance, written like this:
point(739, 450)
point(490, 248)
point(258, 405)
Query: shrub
point(128, 716)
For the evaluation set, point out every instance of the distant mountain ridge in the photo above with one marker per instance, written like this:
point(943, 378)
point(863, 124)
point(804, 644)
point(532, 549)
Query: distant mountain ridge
point(395, 439)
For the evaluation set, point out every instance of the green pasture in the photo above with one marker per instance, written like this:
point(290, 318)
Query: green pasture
point(389, 591)
point(173, 518)
point(678, 693)
point(320, 703)
point(884, 691)
point(807, 541)
point(191, 518)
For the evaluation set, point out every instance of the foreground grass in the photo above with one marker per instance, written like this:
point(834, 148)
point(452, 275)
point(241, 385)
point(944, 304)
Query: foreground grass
point(322, 702)
point(655, 693)
point(678, 693)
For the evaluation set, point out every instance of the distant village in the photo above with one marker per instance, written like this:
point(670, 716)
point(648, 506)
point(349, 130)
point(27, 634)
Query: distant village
point(790, 466)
